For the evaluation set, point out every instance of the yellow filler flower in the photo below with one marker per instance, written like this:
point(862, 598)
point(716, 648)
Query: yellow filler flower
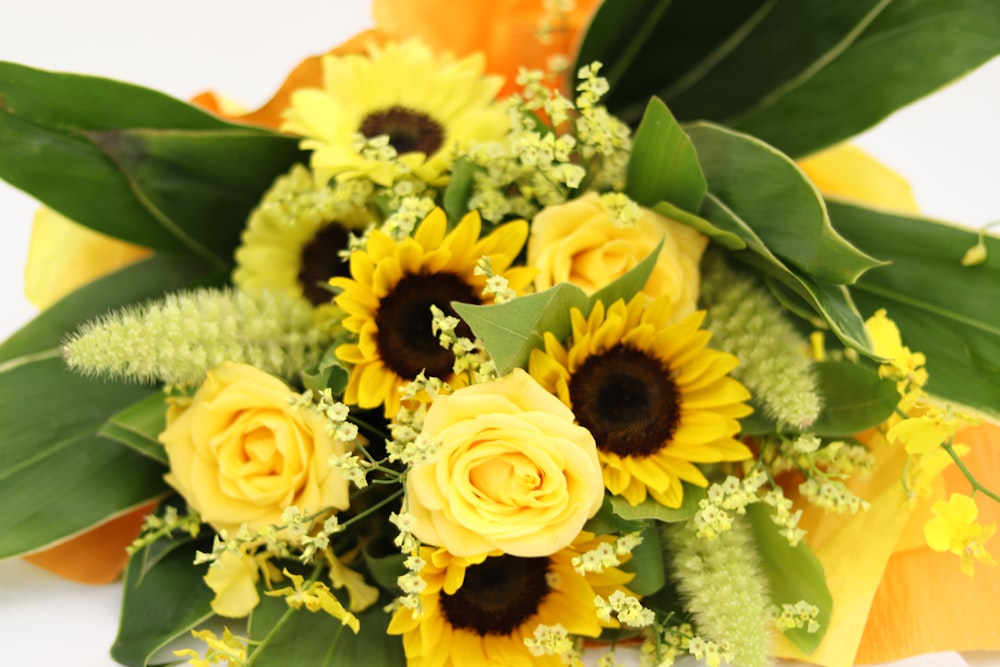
point(426, 106)
point(477, 611)
point(656, 399)
point(389, 295)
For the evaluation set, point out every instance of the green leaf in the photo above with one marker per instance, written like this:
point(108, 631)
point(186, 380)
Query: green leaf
point(160, 604)
point(199, 184)
point(456, 195)
point(607, 521)
point(141, 281)
point(290, 637)
point(510, 331)
point(831, 302)
point(776, 199)
point(909, 50)
point(139, 427)
point(713, 59)
point(943, 309)
point(647, 563)
point(793, 573)
point(663, 165)
point(650, 509)
point(386, 569)
point(57, 477)
point(779, 69)
point(125, 152)
point(727, 240)
point(854, 399)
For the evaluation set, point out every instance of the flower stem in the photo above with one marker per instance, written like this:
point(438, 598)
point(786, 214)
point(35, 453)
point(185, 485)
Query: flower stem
point(976, 486)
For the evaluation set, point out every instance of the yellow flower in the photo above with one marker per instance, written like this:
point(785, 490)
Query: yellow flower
point(233, 578)
point(393, 284)
point(64, 255)
point(581, 243)
point(902, 365)
point(427, 107)
point(315, 596)
point(656, 399)
point(954, 529)
point(512, 471)
point(241, 453)
point(479, 612)
point(929, 427)
point(294, 236)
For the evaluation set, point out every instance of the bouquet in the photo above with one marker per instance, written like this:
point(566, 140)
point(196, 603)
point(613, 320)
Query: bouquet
point(573, 332)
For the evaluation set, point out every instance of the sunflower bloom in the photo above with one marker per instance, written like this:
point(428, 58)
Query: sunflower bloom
point(656, 399)
point(477, 611)
point(392, 287)
point(426, 106)
point(293, 238)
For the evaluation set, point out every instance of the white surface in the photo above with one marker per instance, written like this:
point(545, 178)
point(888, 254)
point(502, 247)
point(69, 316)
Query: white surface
point(947, 146)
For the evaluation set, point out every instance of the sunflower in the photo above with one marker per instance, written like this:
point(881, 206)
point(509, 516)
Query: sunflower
point(392, 287)
point(655, 398)
point(293, 238)
point(425, 106)
point(479, 611)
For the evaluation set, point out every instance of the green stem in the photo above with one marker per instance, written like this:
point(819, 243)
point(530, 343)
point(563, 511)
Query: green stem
point(976, 486)
point(251, 659)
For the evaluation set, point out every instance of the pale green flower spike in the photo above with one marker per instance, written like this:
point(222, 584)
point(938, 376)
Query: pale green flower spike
point(746, 321)
point(723, 587)
point(179, 338)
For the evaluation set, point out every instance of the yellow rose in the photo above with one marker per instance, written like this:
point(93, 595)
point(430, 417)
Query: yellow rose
point(512, 471)
point(241, 453)
point(64, 255)
point(579, 242)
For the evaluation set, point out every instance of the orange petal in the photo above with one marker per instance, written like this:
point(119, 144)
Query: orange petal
point(307, 74)
point(506, 31)
point(925, 603)
point(98, 555)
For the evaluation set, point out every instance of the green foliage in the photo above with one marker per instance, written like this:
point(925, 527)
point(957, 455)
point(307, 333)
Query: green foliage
point(793, 573)
point(782, 69)
point(943, 309)
point(647, 562)
point(161, 603)
point(855, 399)
point(650, 509)
point(140, 425)
point(299, 637)
point(134, 163)
point(663, 165)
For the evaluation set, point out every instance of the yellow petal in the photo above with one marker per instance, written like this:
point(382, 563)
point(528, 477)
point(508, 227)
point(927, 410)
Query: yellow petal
point(847, 171)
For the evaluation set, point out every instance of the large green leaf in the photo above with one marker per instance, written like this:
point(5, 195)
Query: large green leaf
point(160, 603)
point(510, 331)
point(793, 573)
point(663, 165)
point(713, 59)
point(201, 184)
point(772, 195)
point(58, 477)
point(911, 49)
point(949, 312)
point(139, 426)
point(854, 399)
point(300, 637)
point(782, 69)
point(832, 302)
point(134, 163)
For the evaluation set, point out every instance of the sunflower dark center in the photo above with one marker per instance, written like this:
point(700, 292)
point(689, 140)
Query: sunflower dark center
point(627, 400)
point(406, 341)
point(320, 261)
point(409, 131)
point(498, 595)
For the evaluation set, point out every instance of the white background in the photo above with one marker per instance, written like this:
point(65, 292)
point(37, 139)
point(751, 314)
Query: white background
point(946, 145)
